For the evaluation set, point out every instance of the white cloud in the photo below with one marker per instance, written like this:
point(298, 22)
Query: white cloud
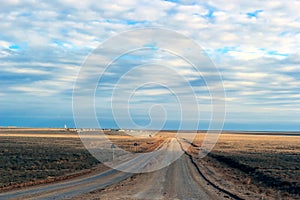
point(4, 44)
point(258, 56)
point(25, 71)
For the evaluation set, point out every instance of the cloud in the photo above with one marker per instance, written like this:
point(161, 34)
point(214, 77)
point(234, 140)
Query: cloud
point(255, 46)
point(25, 71)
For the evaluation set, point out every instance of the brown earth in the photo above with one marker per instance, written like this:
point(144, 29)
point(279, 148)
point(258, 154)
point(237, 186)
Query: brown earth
point(38, 156)
point(253, 166)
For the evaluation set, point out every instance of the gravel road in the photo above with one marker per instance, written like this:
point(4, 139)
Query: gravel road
point(179, 180)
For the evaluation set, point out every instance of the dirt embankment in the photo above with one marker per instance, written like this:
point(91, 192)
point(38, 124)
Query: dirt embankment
point(253, 167)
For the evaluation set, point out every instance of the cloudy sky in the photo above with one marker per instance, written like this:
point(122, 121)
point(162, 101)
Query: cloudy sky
point(254, 45)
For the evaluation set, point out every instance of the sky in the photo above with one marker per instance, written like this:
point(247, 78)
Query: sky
point(255, 47)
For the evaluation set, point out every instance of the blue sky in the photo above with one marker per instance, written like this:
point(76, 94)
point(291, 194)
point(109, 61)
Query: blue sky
point(254, 45)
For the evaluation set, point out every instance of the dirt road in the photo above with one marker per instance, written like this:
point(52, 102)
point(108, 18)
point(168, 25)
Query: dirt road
point(179, 180)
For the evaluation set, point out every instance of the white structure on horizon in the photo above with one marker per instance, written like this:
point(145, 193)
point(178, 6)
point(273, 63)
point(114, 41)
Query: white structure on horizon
point(65, 126)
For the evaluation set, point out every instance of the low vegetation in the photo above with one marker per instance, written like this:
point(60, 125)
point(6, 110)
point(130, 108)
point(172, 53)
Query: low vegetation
point(34, 156)
point(265, 166)
point(29, 159)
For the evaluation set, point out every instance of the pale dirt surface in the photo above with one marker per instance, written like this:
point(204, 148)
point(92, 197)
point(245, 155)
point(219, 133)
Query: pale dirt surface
point(274, 156)
point(39, 156)
point(180, 180)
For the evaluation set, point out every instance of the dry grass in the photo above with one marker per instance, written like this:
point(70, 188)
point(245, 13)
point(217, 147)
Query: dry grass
point(30, 159)
point(251, 166)
point(145, 144)
point(266, 165)
point(30, 156)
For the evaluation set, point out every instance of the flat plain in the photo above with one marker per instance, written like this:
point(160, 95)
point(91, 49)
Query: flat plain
point(31, 156)
point(246, 165)
point(264, 165)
